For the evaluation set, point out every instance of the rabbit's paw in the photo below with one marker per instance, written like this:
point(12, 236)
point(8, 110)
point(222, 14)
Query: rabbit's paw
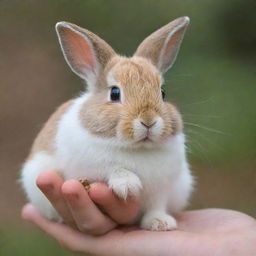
point(124, 183)
point(158, 221)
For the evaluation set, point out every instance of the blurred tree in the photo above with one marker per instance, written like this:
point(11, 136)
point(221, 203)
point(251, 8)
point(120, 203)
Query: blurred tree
point(238, 26)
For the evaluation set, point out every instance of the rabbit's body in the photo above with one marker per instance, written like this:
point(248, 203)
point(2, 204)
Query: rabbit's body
point(137, 147)
point(74, 153)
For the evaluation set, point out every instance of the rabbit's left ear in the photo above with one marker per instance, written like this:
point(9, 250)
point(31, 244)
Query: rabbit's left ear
point(86, 53)
point(163, 45)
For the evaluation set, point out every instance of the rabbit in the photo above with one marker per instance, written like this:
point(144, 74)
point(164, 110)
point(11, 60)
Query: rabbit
point(120, 131)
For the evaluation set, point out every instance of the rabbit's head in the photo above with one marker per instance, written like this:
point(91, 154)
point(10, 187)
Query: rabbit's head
point(126, 102)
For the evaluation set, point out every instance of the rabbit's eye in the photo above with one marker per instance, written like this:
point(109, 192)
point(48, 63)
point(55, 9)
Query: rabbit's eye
point(115, 94)
point(163, 93)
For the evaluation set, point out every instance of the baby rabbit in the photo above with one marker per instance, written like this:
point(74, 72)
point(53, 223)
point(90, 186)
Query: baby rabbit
point(121, 130)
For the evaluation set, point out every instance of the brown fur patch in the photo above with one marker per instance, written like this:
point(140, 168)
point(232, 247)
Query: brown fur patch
point(99, 116)
point(140, 85)
point(45, 138)
point(172, 120)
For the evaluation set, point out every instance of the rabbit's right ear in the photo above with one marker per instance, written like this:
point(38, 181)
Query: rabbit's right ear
point(85, 52)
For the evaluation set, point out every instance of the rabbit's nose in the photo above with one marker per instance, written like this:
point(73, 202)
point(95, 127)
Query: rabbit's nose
point(148, 125)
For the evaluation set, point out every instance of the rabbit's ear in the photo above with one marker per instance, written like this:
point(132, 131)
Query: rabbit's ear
point(163, 45)
point(85, 53)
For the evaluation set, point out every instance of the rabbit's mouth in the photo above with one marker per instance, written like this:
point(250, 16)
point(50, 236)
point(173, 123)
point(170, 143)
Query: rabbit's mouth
point(146, 139)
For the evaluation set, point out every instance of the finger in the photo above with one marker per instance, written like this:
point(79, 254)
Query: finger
point(123, 212)
point(65, 235)
point(88, 217)
point(50, 184)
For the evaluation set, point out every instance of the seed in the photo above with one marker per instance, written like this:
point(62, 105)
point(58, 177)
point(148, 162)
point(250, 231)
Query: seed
point(85, 183)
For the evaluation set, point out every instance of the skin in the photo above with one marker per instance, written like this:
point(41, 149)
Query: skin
point(93, 225)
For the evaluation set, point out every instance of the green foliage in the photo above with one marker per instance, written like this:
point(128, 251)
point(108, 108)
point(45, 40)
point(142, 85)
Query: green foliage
point(218, 105)
point(13, 241)
point(213, 81)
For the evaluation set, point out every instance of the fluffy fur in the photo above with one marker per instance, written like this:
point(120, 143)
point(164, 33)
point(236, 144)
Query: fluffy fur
point(135, 145)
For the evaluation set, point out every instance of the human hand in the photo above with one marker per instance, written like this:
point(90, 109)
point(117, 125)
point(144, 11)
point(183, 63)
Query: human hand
point(204, 232)
point(78, 209)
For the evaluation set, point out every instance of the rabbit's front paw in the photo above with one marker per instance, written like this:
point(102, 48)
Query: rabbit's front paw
point(124, 183)
point(158, 221)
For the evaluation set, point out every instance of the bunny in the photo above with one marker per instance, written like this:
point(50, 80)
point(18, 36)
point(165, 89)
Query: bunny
point(120, 131)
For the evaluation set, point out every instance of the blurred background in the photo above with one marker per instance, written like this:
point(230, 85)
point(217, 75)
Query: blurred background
point(213, 83)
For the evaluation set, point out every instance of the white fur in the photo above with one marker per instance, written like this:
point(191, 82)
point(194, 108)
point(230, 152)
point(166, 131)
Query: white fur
point(162, 170)
point(41, 162)
point(123, 182)
point(153, 133)
point(140, 131)
point(155, 220)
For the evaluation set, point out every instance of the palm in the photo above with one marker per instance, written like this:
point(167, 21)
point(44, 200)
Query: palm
point(199, 233)
point(203, 232)
point(196, 228)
